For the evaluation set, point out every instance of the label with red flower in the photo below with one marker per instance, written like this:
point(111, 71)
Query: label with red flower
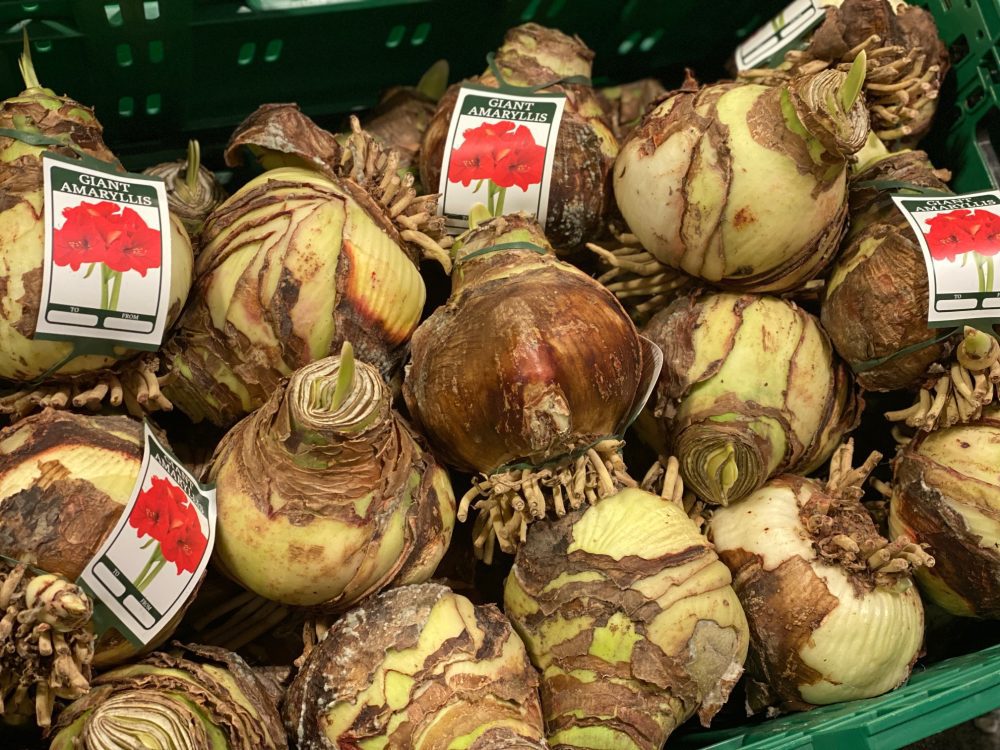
point(960, 237)
point(106, 274)
point(151, 563)
point(499, 153)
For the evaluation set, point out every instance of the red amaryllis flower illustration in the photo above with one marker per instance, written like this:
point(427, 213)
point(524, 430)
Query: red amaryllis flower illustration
point(519, 160)
point(154, 510)
point(985, 228)
point(475, 159)
point(950, 234)
point(82, 237)
point(185, 543)
point(131, 245)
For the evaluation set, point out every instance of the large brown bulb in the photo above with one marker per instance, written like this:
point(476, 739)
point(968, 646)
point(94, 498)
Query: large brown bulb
point(529, 359)
point(580, 191)
point(875, 306)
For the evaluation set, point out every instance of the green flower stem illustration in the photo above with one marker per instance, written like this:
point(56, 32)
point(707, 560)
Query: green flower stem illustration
point(151, 569)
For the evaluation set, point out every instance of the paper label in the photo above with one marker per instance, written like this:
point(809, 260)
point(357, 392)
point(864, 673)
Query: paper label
point(767, 46)
point(960, 238)
point(106, 273)
point(153, 559)
point(499, 152)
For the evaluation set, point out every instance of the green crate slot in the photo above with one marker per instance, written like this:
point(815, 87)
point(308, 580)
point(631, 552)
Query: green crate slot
point(935, 698)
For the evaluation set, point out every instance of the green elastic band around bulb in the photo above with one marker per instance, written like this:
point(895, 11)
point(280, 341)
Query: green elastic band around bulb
point(29, 566)
point(900, 185)
point(871, 364)
point(504, 246)
point(512, 89)
point(37, 139)
point(572, 455)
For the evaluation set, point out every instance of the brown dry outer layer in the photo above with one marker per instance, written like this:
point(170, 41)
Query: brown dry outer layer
point(637, 691)
point(58, 523)
point(284, 129)
point(200, 345)
point(39, 111)
point(522, 365)
point(880, 307)
point(188, 674)
point(672, 330)
point(344, 664)
point(400, 121)
point(972, 571)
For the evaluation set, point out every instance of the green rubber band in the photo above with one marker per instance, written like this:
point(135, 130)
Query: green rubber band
point(871, 364)
point(572, 455)
point(38, 139)
point(504, 246)
point(37, 571)
point(512, 89)
point(901, 185)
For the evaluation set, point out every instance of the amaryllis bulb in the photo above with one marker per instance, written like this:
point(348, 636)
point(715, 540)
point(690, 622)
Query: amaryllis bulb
point(192, 190)
point(326, 495)
point(65, 479)
point(417, 667)
point(40, 111)
point(292, 265)
point(875, 301)
point(630, 618)
point(528, 374)
point(820, 588)
point(750, 388)
point(907, 62)
point(742, 185)
point(946, 494)
point(585, 147)
point(194, 698)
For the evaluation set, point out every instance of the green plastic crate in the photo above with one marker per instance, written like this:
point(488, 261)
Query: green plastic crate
point(935, 698)
point(971, 29)
point(160, 71)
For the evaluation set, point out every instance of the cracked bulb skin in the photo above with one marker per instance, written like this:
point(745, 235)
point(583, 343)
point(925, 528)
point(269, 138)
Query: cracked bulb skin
point(630, 618)
point(417, 668)
point(946, 494)
point(750, 388)
point(742, 185)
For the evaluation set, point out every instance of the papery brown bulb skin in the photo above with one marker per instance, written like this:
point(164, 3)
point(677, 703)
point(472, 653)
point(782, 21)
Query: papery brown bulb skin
point(875, 303)
point(529, 359)
point(417, 668)
point(580, 190)
point(946, 494)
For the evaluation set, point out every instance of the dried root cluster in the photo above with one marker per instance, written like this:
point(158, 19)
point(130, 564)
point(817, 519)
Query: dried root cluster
point(46, 643)
point(509, 500)
point(134, 385)
point(959, 395)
